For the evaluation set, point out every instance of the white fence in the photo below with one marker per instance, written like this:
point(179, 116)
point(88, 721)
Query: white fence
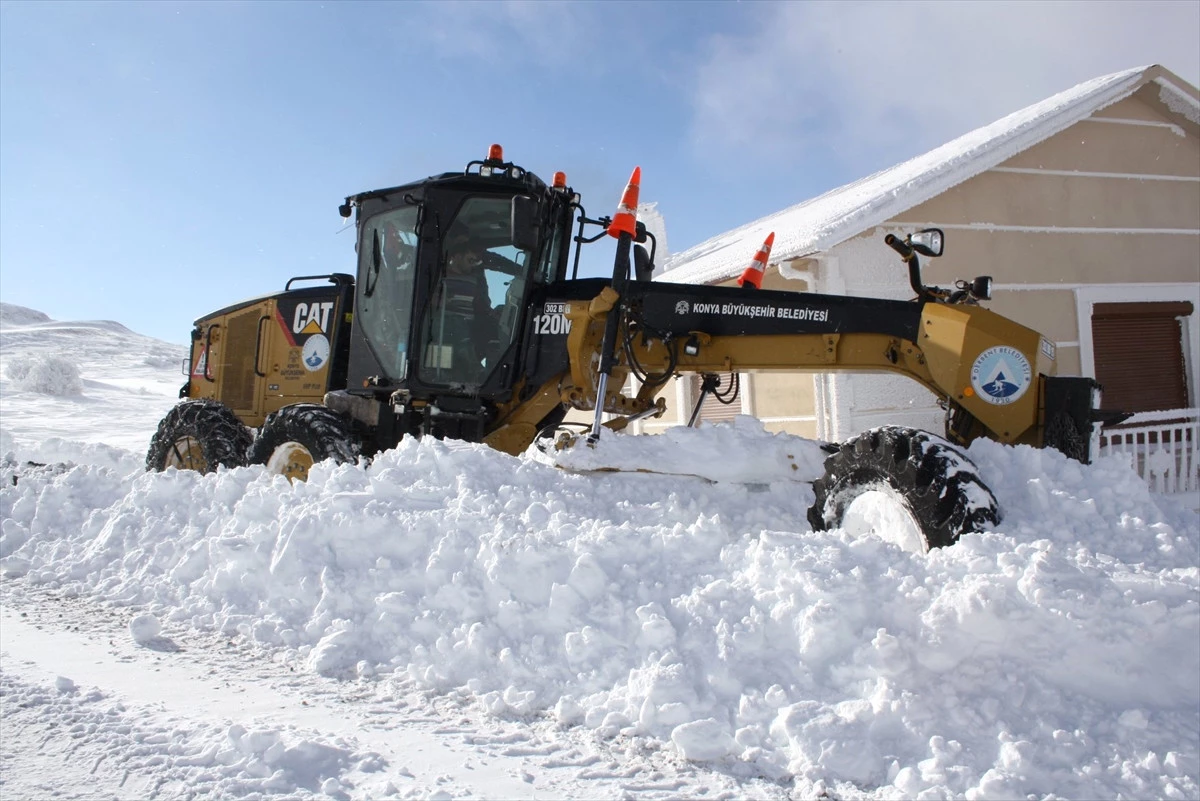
point(1164, 448)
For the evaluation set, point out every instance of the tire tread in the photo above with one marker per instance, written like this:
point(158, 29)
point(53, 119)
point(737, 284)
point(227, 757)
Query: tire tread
point(223, 439)
point(932, 475)
point(325, 433)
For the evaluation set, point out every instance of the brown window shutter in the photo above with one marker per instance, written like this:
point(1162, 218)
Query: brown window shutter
point(1138, 351)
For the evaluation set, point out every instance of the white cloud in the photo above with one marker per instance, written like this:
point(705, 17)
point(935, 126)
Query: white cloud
point(870, 84)
point(510, 32)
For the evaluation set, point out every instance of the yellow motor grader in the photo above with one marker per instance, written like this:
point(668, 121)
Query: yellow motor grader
point(466, 320)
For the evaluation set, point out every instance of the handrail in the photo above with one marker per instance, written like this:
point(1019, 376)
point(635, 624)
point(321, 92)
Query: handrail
point(1163, 448)
point(208, 353)
point(258, 346)
point(1152, 417)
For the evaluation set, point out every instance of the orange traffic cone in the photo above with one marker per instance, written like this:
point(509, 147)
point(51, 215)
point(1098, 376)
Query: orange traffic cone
point(753, 275)
point(625, 220)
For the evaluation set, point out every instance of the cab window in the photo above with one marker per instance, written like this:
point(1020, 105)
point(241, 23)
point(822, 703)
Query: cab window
point(387, 263)
point(470, 320)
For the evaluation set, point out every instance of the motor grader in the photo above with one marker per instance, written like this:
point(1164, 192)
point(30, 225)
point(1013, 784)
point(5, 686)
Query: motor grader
point(349, 365)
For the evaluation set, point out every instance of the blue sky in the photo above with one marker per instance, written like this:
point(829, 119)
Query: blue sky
point(159, 160)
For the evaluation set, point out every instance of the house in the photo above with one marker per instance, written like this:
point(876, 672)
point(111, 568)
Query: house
point(1085, 210)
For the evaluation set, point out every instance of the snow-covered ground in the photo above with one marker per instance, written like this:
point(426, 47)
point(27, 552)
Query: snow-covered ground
point(449, 621)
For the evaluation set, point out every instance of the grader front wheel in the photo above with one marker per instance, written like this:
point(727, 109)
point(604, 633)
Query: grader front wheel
point(291, 460)
point(920, 491)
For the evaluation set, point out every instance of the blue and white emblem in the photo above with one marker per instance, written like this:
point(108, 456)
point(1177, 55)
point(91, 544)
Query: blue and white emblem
point(1001, 375)
point(315, 353)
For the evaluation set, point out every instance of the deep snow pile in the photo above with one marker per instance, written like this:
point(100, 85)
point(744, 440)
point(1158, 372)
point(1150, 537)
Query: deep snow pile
point(1059, 655)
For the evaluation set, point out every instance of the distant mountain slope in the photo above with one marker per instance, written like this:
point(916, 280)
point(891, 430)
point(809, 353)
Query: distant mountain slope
point(129, 382)
point(107, 342)
point(11, 314)
point(15, 317)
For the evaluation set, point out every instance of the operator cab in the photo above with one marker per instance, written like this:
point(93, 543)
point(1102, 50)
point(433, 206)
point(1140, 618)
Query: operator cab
point(446, 270)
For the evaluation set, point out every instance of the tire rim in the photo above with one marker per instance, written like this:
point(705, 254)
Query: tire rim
point(291, 459)
point(186, 454)
point(882, 512)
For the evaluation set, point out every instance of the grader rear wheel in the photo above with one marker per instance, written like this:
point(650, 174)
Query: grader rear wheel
point(186, 453)
point(199, 435)
point(909, 486)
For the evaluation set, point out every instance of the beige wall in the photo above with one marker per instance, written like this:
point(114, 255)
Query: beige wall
point(781, 394)
point(1143, 105)
point(783, 401)
point(1055, 200)
point(1051, 312)
point(1099, 145)
point(1018, 257)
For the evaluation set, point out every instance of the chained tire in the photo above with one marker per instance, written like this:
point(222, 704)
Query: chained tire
point(1064, 436)
point(201, 435)
point(929, 492)
point(296, 437)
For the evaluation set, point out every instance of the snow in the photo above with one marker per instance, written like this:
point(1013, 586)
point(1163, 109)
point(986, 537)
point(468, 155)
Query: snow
point(1177, 100)
point(144, 628)
point(12, 315)
point(48, 375)
point(818, 224)
point(448, 621)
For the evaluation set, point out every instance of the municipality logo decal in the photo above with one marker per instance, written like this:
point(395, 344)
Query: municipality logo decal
point(1001, 375)
point(315, 352)
point(681, 307)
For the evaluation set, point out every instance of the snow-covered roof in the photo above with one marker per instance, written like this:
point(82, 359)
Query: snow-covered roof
point(822, 222)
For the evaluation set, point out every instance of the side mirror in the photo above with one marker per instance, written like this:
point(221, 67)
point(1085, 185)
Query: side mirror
point(928, 242)
point(524, 222)
point(640, 236)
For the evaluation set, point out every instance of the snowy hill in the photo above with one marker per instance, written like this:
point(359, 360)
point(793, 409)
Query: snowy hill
point(450, 621)
point(93, 382)
point(12, 315)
